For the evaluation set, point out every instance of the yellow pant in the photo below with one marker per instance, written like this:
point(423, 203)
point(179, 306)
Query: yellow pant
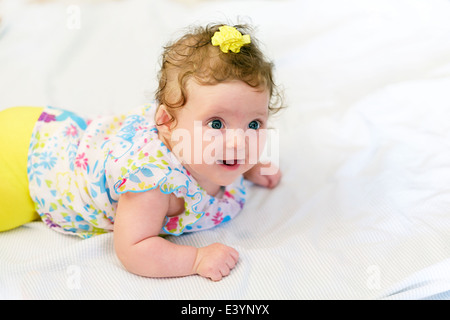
point(16, 127)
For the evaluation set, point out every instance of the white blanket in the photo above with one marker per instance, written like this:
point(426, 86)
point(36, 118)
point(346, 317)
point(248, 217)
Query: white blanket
point(363, 210)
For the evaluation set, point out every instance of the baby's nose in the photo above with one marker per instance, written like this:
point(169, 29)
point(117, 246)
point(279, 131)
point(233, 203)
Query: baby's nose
point(235, 139)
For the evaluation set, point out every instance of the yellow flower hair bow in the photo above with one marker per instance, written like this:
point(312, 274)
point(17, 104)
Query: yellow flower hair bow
point(229, 38)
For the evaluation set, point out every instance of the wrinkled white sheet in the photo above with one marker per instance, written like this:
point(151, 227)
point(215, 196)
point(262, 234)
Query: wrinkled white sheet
point(363, 211)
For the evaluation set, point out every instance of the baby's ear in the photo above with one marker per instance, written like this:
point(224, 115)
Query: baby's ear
point(163, 118)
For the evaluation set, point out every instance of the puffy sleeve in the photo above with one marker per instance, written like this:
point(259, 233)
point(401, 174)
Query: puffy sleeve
point(157, 172)
point(137, 161)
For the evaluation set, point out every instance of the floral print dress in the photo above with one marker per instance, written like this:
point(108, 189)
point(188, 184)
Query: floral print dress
point(78, 168)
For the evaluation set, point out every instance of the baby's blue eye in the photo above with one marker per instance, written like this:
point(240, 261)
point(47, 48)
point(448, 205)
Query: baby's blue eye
point(254, 125)
point(215, 124)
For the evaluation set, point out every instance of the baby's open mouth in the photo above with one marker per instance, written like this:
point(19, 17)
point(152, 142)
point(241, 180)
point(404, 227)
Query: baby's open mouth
point(230, 163)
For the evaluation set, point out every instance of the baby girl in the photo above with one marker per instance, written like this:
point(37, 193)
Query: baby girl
point(131, 174)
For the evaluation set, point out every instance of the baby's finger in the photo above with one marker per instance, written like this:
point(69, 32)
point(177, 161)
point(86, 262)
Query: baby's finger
point(274, 180)
point(216, 276)
point(225, 270)
point(234, 254)
point(231, 263)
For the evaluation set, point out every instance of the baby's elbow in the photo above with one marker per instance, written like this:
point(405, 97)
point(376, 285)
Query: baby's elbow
point(135, 260)
point(126, 253)
point(125, 256)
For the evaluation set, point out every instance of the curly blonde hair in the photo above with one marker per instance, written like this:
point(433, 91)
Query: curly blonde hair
point(194, 56)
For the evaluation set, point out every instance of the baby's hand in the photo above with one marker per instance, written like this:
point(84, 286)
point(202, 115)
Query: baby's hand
point(265, 175)
point(215, 261)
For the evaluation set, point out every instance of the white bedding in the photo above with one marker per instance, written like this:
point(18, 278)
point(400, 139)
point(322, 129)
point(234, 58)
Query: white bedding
point(363, 210)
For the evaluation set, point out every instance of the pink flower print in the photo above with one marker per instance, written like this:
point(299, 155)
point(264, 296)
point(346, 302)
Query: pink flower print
point(122, 183)
point(172, 224)
point(71, 131)
point(228, 194)
point(81, 161)
point(218, 218)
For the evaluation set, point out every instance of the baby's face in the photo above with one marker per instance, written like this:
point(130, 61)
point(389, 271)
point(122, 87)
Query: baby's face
point(220, 131)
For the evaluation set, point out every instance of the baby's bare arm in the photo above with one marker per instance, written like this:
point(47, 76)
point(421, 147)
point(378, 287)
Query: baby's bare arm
point(139, 219)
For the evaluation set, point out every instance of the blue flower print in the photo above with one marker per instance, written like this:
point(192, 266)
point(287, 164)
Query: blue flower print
point(48, 161)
